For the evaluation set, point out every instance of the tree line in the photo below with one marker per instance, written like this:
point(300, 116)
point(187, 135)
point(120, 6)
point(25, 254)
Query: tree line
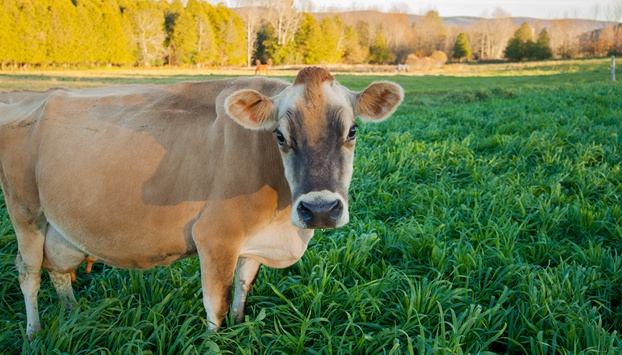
point(520, 47)
point(197, 33)
point(496, 39)
point(119, 32)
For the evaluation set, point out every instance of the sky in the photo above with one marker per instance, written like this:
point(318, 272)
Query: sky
point(544, 9)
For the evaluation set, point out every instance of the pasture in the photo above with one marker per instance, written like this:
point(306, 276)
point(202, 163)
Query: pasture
point(486, 217)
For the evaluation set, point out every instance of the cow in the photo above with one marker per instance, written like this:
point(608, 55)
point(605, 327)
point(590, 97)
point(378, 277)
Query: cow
point(261, 69)
point(402, 67)
point(237, 171)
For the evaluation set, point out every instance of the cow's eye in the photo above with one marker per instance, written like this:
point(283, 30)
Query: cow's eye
point(352, 133)
point(280, 138)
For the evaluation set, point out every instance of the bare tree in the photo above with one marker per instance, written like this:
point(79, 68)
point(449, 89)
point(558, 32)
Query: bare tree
point(491, 35)
point(249, 11)
point(149, 34)
point(502, 29)
point(565, 35)
point(482, 38)
point(429, 34)
point(285, 19)
point(396, 29)
point(614, 14)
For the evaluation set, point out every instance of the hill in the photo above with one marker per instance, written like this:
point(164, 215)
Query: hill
point(464, 22)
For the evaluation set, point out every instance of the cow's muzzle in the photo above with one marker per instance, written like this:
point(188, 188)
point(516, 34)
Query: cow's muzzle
point(322, 209)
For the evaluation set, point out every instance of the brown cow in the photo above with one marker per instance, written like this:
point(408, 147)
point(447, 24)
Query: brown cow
point(238, 171)
point(261, 69)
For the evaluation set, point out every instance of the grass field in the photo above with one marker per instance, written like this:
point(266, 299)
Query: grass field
point(485, 218)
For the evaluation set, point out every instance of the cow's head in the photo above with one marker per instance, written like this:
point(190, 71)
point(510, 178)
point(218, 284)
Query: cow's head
point(314, 128)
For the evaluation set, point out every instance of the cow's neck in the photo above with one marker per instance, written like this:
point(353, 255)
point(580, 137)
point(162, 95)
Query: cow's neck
point(253, 159)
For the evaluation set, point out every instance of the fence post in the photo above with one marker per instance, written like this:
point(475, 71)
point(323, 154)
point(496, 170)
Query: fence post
point(613, 68)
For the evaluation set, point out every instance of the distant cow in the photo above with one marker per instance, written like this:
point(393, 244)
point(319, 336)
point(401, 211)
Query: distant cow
point(239, 171)
point(402, 67)
point(261, 69)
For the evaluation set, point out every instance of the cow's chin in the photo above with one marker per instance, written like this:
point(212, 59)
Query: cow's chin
point(320, 210)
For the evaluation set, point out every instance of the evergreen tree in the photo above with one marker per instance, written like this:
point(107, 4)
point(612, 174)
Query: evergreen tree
point(524, 33)
point(88, 38)
point(116, 43)
point(8, 44)
point(193, 35)
point(30, 29)
point(514, 50)
point(308, 41)
point(62, 32)
point(231, 38)
point(462, 49)
point(171, 14)
point(521, 45)
point(185, 38)
point(379, 53)
point(332, 39)
point(206, 46)
point(176, 7)
point(267, 44)
point(542, 47)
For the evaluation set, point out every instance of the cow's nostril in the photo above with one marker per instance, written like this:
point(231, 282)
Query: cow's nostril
point(336, 209)
point(304, 212)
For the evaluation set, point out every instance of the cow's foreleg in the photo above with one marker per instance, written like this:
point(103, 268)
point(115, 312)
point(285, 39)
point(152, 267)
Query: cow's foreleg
point(216, 279)
point(218, 236)
point(245, 274)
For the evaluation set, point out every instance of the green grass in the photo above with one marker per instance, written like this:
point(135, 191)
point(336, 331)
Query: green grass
point(485, 217)
point(452, 78)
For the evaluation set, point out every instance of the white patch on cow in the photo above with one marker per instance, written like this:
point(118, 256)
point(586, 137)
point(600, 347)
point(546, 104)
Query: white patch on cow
point(279, 245)
point(316, 197)
point(210, 314)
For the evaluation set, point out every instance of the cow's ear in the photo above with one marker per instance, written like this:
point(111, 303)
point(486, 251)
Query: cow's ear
point(251, 109)
point(378, 101)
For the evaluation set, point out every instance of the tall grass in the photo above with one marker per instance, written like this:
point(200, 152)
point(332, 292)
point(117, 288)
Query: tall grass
point(484, 219)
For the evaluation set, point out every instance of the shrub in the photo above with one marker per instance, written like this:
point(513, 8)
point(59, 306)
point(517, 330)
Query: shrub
point(436, 60)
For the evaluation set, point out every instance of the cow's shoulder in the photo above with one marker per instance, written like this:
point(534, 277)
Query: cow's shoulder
point(18, 108)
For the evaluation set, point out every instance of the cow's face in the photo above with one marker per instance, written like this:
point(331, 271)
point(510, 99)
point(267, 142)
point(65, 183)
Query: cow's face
point(314, 129)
